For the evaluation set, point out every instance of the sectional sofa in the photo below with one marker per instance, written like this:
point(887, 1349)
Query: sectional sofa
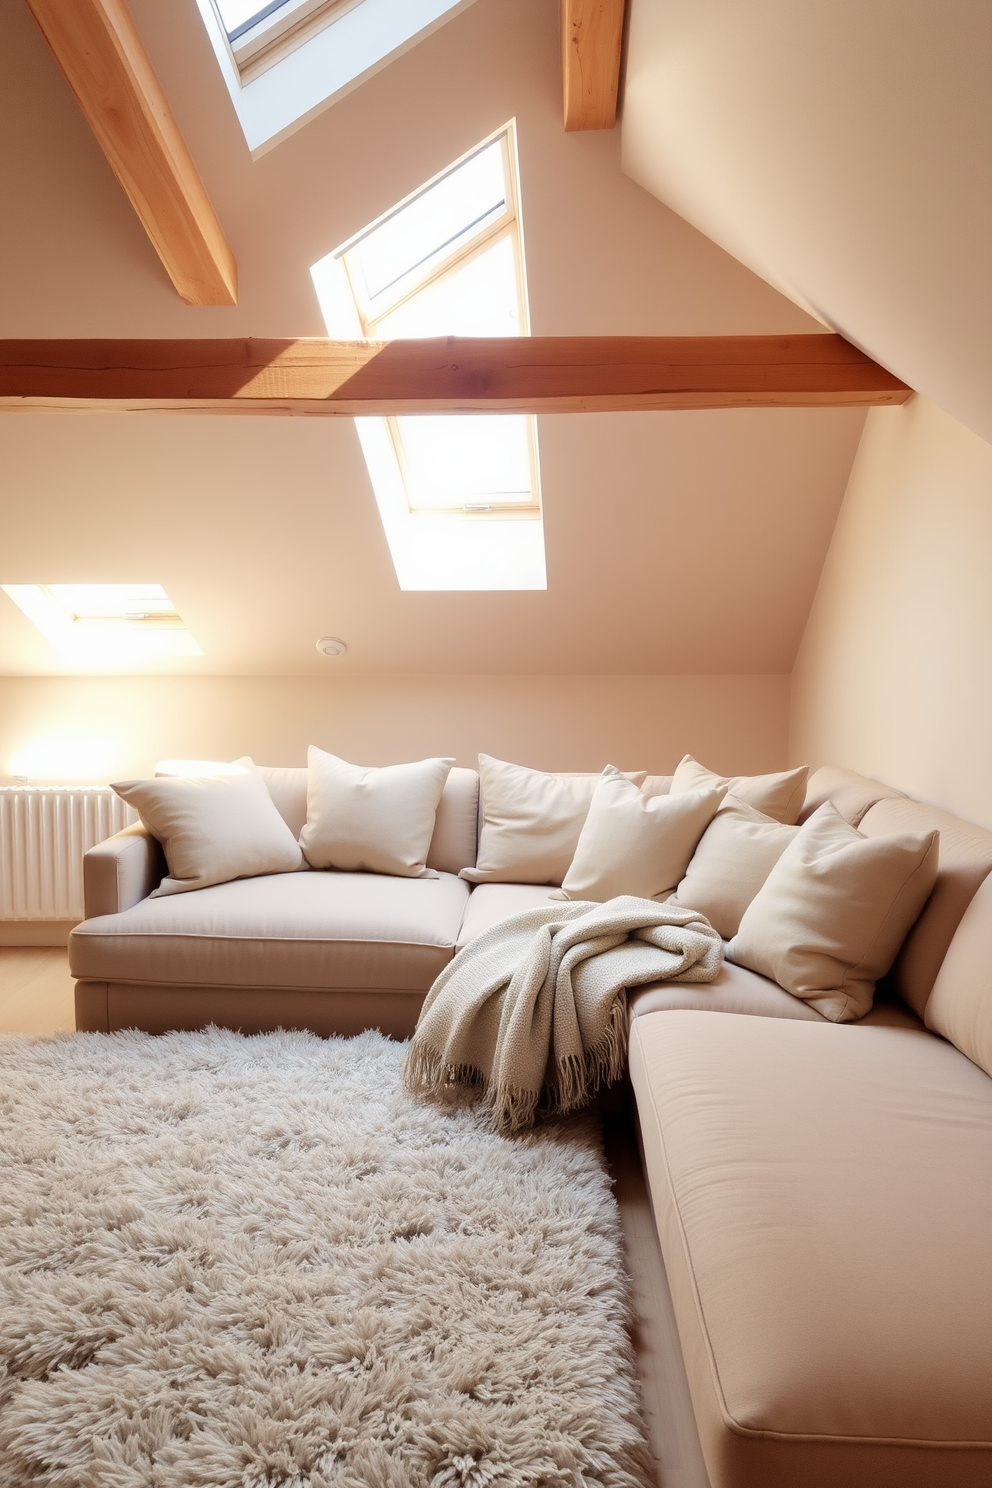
point(823, 1192)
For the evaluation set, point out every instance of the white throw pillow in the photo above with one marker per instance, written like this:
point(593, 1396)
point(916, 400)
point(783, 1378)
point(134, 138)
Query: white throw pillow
point(531, 822)
point(635, 843)
point(833, 912)
point(213, 829)
point(736, 853)
point(371, 820)
point(779, 796)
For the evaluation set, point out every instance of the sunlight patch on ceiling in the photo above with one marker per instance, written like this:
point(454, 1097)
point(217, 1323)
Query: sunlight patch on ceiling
point(459, 495)
point(105, 624)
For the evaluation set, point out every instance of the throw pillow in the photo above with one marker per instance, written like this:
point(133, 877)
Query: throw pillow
point(371, 820)
point(778, 796)
point(213, 828)
point(531, 822)
point(736, 853)
point(834, 910)
point(634, 843)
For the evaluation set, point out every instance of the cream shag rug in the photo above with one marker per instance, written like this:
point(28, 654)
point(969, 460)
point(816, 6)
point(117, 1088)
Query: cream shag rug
point(256, 1261)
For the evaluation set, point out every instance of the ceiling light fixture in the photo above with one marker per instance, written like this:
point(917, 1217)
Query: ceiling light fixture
point(331, 646)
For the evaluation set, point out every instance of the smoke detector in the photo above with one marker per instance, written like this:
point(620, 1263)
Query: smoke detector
point(331, 646)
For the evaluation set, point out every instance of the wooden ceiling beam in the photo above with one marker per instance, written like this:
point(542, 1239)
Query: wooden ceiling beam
point(520, 374)
point(591, 39)
point(106, 66)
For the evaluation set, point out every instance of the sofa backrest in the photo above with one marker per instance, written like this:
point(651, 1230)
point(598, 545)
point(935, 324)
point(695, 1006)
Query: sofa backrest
point(965, 861)
point(455, 844)
point(960, 1005)
point(455, 841)
point(851, 793)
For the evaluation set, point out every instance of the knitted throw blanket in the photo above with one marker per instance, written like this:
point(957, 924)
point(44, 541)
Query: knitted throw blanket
point(532, 1013)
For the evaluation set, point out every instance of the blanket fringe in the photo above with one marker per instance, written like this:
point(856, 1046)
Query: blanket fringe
point(510, 1108)
point(427, 1073)
point(576, 1079)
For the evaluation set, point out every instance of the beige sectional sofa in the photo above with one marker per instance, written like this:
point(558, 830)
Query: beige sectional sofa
point(823, 1196)
point(823, 1192)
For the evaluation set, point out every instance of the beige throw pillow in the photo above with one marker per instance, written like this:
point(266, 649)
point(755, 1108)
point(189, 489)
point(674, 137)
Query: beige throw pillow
point(531, 822)
point(736, 853)
point(371, 820)
point(834, 911)
point(635, 843)
point(778, 796)
point(213, 829)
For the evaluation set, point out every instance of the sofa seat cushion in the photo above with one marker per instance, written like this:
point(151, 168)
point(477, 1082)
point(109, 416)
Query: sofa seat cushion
point(736, 990)
point(324, 930)
point(492, 902)
point(824, 1208)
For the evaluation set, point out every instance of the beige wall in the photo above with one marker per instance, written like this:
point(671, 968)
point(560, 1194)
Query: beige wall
point(894, 674)
point(737, 723)
point(843, 151)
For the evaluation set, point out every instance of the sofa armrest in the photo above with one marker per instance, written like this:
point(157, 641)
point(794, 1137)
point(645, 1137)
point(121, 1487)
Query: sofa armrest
point(121, 871)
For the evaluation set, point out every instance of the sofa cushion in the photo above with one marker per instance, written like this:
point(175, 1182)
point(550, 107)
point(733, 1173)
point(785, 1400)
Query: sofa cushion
point(736, 990)
point(213, 828)
point(851, 793)
point(491, 902)
point(377, 819)
point(734, 856)
point(960, 1005)
point(635, 843)
point(531, 822)
point(834, 910)
point(779, 796)
point(455, 843)
point(826, 1220)
point(456, 822)
point(288, 930)
point(965, 861)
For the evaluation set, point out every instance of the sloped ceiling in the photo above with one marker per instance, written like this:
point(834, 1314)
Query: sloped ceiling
point(676, 542)
point(844, 152)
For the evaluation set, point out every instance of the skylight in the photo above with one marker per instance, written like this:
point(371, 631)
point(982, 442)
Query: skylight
point(285, 61)
point(459, 495)
point(260, 34)
point(105, 624)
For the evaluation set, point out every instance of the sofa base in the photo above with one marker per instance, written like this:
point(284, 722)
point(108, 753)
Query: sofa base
point(106, 1007)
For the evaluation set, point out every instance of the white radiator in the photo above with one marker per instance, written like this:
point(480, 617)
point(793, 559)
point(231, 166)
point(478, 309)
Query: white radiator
point(44, 832)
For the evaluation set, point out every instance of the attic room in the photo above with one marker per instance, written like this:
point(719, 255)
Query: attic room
point(495, 818)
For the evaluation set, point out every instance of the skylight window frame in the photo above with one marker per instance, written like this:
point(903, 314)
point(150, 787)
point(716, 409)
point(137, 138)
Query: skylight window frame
point(442, 550)
point(316, 69)
point(278, 30)
point(443, 262)
point(117, 636)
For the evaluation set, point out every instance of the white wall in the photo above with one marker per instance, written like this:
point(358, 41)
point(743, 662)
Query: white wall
point(894, 674)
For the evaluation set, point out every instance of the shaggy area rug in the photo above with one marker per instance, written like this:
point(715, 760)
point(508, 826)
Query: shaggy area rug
point(258, 1262)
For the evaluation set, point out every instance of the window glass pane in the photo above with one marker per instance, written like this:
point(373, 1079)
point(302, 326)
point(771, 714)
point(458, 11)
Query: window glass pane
point(477, 300)
point(463, 460)
point(239, 15)
point(456, 207)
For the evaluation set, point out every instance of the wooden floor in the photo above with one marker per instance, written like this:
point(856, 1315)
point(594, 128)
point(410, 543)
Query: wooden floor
point(36, 996)
point(35, 990)
point(664, 1387)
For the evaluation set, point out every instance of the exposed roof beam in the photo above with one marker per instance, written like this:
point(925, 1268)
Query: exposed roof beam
point(519, 374)
point(107, 68)
point(591, 38)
